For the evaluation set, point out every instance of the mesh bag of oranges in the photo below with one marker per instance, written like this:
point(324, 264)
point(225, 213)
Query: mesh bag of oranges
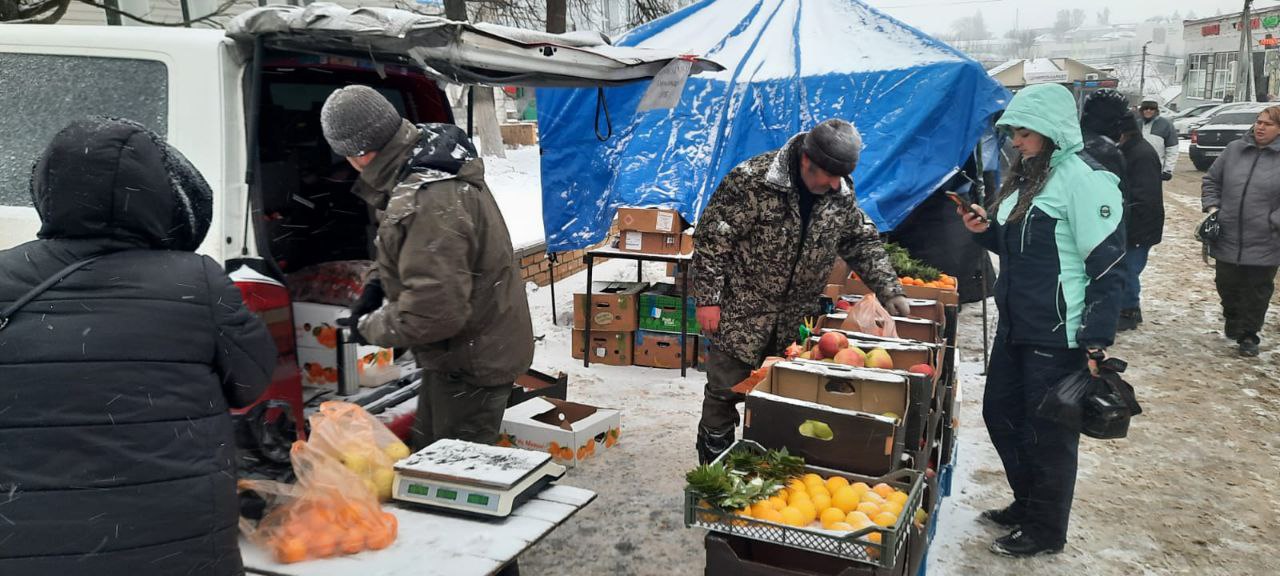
point(365, 446)
point(329, 511)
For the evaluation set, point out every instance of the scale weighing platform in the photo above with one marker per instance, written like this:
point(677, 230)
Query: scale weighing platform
point(473, 479)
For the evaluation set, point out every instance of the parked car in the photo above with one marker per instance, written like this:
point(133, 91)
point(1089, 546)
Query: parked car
point(1209, 140)
point(1184, 125)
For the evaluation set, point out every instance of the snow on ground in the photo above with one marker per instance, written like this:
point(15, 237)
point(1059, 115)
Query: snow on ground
point(516, 182)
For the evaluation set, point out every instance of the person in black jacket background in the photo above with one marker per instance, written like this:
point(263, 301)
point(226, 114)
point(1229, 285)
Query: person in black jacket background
point(1144, 215)
point(115, 383)
point(1114, 138)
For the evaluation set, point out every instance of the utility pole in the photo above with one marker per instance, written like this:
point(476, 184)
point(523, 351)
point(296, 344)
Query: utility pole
point(1142, 78)
point(1244, 62)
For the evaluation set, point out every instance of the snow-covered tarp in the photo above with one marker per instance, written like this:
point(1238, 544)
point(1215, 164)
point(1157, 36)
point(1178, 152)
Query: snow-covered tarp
point(790, 64)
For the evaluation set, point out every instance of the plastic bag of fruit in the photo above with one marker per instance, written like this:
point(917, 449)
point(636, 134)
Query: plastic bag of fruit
point(329, 511)
point(869, 317)
point(338, 283)
point(364, 445)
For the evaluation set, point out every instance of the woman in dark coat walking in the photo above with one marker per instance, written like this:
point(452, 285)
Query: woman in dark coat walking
point(115, 382)
point(1243, 186)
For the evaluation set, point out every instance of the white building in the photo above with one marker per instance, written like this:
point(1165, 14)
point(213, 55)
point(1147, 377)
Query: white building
point(1213, 48)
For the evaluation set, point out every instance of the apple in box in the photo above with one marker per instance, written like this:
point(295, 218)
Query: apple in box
point(832, 343)
point(851, 356)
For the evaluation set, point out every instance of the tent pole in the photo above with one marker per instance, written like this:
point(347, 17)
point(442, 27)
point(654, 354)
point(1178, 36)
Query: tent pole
point(979, 187)
point(551, 256)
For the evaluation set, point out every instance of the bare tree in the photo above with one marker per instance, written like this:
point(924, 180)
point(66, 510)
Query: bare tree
point(51, 11)
point(1023, 41)
point(970, 28)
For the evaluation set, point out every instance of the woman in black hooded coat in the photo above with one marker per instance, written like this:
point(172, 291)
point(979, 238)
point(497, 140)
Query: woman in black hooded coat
point(116, 448)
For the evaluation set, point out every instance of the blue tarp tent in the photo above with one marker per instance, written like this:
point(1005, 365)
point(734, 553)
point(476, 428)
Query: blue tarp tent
point(789, 64)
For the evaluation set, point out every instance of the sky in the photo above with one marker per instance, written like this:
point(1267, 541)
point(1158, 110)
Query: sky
point(936, 16)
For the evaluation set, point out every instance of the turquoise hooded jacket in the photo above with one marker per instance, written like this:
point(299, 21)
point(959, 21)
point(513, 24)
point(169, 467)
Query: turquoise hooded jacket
point(1060, 265)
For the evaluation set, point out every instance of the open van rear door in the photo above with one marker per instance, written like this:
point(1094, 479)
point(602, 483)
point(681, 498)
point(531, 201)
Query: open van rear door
point(460, 52)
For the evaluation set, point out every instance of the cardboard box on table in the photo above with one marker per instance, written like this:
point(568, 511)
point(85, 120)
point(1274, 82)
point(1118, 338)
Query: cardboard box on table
point(929, 309)
point(852, 402)
point(610, 348)
point(569, 431)
point(614, 307)
point(655, 243)
point(316, 333)
point(918, 329)
point(655, 220)
point(662, 350)
point(904, 353)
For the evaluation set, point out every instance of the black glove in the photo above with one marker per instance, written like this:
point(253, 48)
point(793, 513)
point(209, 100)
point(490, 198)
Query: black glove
point(1166, 176)
point(352, 323)
point(370, 299)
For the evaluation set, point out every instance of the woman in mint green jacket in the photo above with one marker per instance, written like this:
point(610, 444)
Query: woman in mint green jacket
point(1058, 230)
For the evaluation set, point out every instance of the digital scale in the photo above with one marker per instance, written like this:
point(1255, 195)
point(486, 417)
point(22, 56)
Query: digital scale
point(474, 479)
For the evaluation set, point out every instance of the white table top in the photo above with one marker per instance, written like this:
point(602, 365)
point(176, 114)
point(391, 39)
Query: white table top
point(610, 251)
point(430, 543)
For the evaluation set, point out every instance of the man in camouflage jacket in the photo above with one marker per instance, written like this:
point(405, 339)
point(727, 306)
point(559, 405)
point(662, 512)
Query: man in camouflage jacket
point(763, 249)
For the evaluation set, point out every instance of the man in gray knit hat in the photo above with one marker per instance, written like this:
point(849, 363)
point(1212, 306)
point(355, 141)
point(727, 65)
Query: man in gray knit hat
point(763, 249)
point(445, 266)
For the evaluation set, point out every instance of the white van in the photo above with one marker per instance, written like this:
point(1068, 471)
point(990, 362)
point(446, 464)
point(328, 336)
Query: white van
point(244, 106)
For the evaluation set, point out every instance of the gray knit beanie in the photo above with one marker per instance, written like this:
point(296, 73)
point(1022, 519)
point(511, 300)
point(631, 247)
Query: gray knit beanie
point(834, 146)
point(357, 119)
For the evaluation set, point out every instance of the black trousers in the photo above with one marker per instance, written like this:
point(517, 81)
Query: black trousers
point(1245, 292)
point(452, 406)
point(1039, 456)
point(719, 401)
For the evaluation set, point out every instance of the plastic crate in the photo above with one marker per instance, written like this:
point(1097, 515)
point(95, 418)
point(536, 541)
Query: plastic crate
point(848, 545)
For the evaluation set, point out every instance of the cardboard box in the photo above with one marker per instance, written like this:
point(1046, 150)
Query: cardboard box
point(533, 384)
point(660, 310)
point(918, 329)
point(374, 366)
point(904, 353)
point(920, 307)
point(657, 220)
point(662, 350)
point(947, 297)
point(850, 401)
point(614, 306)
point(650, 243)
point(610, 348)
point(571, 432)
point(316, 335)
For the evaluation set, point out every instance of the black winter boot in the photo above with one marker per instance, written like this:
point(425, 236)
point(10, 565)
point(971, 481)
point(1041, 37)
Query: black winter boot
point(1127, 320)
point(711, 444)
point(1019, 544)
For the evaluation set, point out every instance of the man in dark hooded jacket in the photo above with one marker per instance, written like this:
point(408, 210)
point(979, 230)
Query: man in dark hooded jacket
point(444, 265)
point(116, 447)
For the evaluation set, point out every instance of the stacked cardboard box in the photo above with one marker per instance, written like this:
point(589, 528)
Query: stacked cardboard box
point(569, 431)
point(613, 314)
point(653, 231)
point(624, 334)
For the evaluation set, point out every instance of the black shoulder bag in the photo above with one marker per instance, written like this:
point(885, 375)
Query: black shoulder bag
point(13, 308)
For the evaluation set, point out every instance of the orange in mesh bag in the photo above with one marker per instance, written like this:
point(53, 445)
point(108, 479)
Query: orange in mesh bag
point(347, 433)
point(869, 317)
point(329, 511)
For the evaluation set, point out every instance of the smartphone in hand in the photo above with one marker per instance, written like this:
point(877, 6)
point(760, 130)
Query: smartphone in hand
point(967, 207)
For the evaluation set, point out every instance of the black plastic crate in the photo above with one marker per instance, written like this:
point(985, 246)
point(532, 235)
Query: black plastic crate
point(849, 546)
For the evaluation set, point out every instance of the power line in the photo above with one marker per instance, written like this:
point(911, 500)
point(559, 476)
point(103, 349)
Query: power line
point(929, 4)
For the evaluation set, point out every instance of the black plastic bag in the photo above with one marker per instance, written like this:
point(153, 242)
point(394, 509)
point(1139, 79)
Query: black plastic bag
point(1064, 404)
point(1096, 406)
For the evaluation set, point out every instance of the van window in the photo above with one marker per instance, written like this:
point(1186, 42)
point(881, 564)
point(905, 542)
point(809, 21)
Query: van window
point(42, 93)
